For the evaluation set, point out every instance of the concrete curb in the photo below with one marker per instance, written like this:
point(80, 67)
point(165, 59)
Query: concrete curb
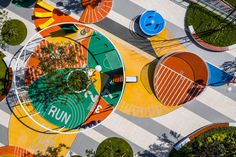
point(200, 131)
point(207, 46)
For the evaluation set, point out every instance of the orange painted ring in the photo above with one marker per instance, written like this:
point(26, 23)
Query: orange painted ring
point(179, 77)
point(9, 151)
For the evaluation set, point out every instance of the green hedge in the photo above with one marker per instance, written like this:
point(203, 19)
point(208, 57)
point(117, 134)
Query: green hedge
point(14, 32)
point(210, 27)
point(3, 74)
point(213, 143)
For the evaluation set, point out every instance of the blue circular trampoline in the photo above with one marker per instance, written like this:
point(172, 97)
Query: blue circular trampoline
point(151, 23)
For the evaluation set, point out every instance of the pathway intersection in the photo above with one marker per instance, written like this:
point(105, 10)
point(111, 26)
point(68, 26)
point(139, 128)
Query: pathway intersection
point(143, 130)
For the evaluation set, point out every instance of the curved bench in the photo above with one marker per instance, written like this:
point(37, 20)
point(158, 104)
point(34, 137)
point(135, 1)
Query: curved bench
point(200, 131)
point(208, 46)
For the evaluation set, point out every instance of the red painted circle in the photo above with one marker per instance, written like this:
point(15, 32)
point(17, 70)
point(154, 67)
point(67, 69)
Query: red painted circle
point(179, 77)
point(14, 151)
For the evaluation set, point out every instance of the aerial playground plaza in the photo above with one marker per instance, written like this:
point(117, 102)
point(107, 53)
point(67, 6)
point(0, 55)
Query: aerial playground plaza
point(117, 78)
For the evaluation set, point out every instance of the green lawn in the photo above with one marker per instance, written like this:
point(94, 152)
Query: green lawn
point(212, 28)
point(114, 147)
point(3, 77)
point(232, 2)
point(213, 143)
point(14, 32)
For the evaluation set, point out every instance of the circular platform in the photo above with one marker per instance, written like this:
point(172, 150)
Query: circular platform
point(95, 10)
point(12, 151)
point(179, 77)
point(52, 60)
point(151, 23)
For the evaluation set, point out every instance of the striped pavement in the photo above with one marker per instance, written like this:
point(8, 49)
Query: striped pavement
point(215, 104)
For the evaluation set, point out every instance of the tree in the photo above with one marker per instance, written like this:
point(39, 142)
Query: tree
point(52, 151)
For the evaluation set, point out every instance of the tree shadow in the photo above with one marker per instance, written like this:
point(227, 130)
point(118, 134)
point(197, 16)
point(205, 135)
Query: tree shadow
point(229, 67)
point(163, 147)
point(4, 3)
point(72, 5)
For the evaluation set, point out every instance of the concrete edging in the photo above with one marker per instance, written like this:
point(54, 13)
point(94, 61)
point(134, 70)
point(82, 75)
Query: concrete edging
point(200, 131)
point(207, 46)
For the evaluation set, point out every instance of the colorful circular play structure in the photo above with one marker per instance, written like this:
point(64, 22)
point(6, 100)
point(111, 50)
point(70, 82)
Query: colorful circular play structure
point(179, 77)
point(48, 65)
point(95, 10)
point(13, 151)
point(151, 23)
point(92, 11)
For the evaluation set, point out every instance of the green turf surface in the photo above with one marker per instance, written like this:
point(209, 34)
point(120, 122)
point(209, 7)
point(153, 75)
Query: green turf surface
point(213, 143)
point(50, 93)
point(114, 147)
point(102, 52)
point(14, 32)
point(210, 27)
point(3, 73)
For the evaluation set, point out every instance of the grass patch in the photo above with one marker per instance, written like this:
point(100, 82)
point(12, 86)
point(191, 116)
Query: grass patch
point(114, 147)
point(3, 74)
point(231, 2)
point(210, 27)
point(215, 142)
point(14, 32)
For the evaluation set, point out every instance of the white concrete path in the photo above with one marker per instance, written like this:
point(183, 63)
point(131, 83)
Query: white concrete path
point(219, 102)
point(170, 11)
point(130, 131)
point(182, 121)
point(4, 118)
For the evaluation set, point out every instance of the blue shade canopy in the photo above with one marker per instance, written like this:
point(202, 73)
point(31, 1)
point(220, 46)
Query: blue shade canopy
point(151, 23)
point(217, 77)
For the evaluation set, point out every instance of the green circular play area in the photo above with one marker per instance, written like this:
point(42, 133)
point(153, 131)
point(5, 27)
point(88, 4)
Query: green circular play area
point(63, 92)
point(114, 147)
point(14, 32)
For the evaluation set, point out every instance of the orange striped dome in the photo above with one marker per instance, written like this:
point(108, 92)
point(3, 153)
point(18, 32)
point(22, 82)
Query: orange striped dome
point(179, 78)
point(95, 10)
